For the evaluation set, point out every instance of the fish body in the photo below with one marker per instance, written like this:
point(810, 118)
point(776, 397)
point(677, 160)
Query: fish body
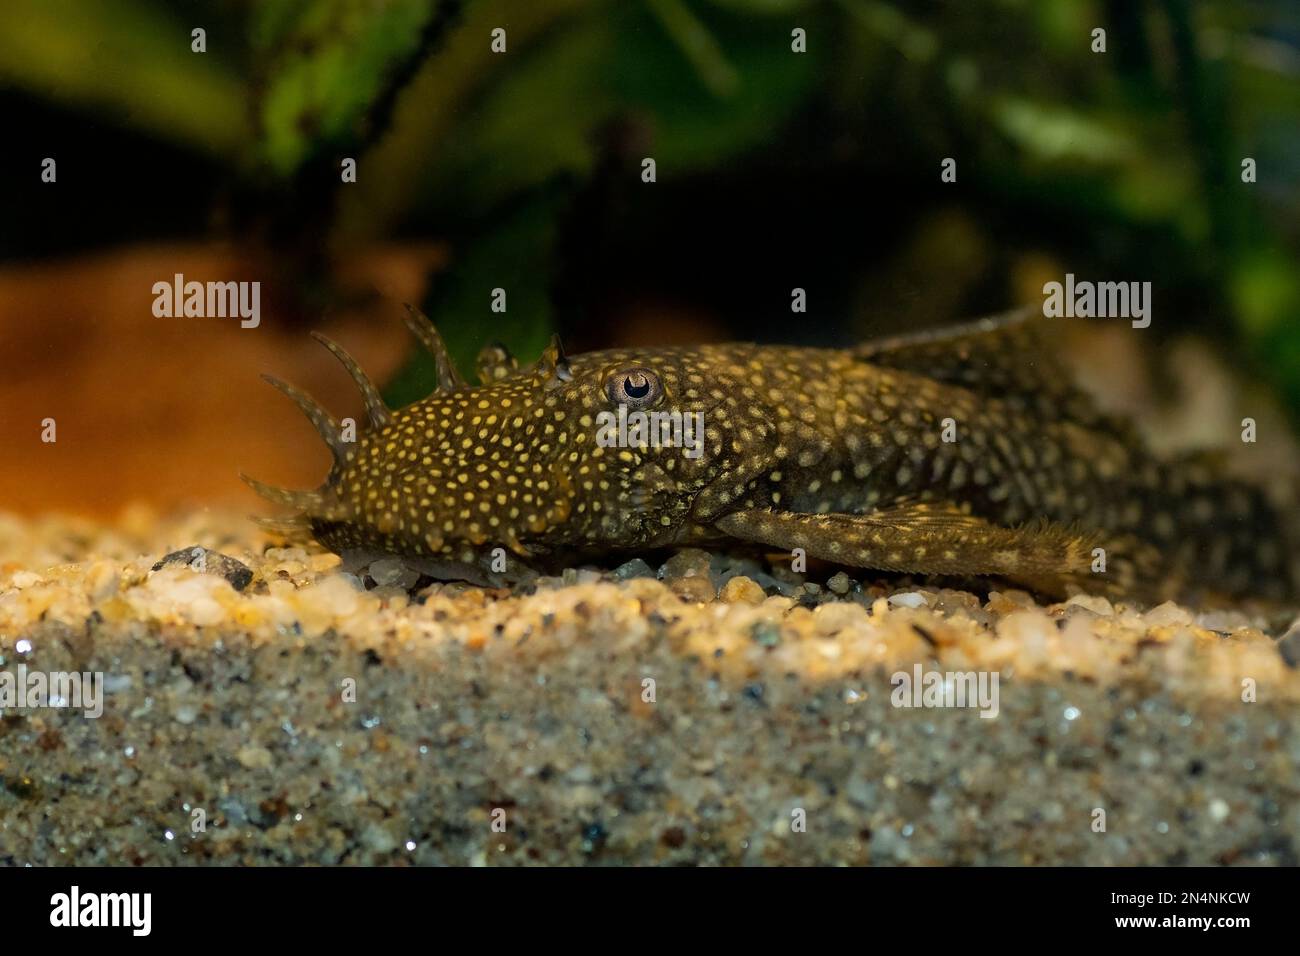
point(962, 453)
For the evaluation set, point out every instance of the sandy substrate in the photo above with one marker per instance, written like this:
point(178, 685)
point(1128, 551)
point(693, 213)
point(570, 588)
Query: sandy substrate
point(708, 711)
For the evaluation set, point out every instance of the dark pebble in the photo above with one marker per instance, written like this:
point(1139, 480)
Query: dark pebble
point(593, 837)
point(206, 561)
point(636, 568)
point(673, 837)
point(1288, 645)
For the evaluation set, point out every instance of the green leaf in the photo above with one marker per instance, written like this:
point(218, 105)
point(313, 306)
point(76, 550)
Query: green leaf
point(328, 62)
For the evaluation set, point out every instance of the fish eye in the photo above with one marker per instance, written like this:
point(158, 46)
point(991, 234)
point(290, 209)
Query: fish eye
point(634, 387)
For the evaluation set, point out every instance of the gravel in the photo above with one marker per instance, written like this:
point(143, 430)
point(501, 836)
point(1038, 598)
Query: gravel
point(709, 711)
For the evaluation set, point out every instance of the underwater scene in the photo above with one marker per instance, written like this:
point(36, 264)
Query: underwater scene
point(643, 433)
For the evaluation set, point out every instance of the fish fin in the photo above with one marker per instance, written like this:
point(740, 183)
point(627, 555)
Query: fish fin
point(1009, 357)
point(515, 545)
point(311, 502)
point(554, 364)
point(323, 421)
point(449, 378)
point(296, 527)
point(993, 332)
point(376, 411)
point(1047, 558)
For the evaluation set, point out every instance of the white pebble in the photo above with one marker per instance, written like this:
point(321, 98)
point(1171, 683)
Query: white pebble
point(391, 571)
point(116, 683)
point(1096, 604)
point(1167, 614)
point(254, 758)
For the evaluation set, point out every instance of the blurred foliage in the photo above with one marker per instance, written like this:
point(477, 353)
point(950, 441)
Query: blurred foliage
point(1122, 165)
point(323, 68)
point(132, 59)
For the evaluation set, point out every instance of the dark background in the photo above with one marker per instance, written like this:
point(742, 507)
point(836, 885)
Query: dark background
point(522, 170)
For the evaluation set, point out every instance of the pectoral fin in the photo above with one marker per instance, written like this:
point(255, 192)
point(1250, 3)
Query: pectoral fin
point(929, 539)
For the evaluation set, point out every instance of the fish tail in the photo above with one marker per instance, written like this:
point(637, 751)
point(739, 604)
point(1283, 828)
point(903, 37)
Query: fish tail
point(1234, 537)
